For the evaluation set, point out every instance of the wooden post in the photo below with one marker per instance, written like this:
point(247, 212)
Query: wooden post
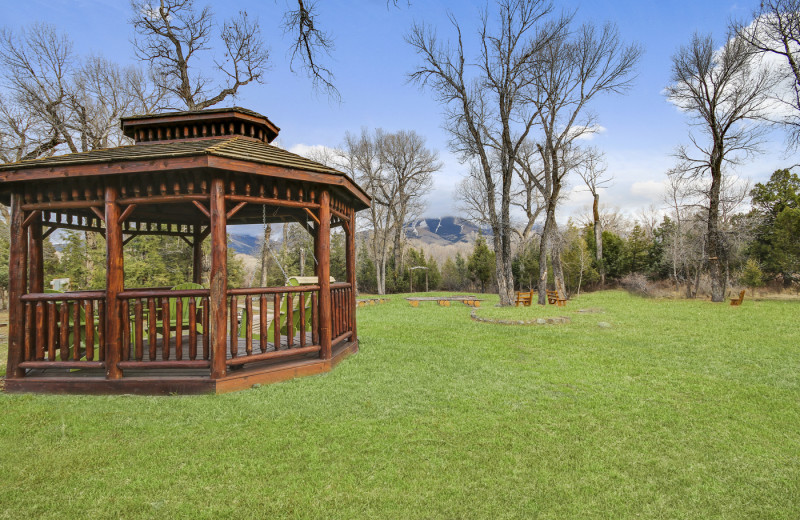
point(350, 256)
point(323, 245)
point(197, 255)
point(115, 283)
point(36, 255)
point(36, 274)
point(218, 279)
point(17, 285)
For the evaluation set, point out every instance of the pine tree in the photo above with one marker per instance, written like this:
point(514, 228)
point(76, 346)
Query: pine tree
point(481, 262)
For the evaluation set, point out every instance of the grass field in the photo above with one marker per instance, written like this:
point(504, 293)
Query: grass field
point(679, 409)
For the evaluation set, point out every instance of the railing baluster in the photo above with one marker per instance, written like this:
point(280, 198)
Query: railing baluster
point(262, 314)
point(165, 328)
point(314, 319)
point(89, 317)
point(76, 330)
point(139, 329)
point(64, 331)
point(28, 332)
point(179, 328)
point(206, 349)
point(152, 331)
point(52, 337)
point(276, 321)
point(234, 314)
point(39, 324)
point(289, 320)
point(192, 328)
point(101, 329)
point(302, 297)
point(248, 321)
point(125, 316)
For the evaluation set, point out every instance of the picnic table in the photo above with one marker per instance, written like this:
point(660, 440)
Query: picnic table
point(444, 301)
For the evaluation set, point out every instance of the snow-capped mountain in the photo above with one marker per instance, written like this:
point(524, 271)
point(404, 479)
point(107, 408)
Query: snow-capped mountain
point(445, 230)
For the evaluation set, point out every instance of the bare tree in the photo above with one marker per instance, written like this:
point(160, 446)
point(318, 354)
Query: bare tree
point(726, 95)
point(310, 45)
point(55, 98)
point(528, 198)
point(408, 167)
point(473, 194)
point(170, 37)
point(775, 31)
point(360, 158)
point(570, 72)
point(484, 109)
point(593, 172)
point(36, 64)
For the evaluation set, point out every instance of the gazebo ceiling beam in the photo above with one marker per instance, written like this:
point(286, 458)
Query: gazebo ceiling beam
point(60, 205)
point(163, 199)
point(269, 201)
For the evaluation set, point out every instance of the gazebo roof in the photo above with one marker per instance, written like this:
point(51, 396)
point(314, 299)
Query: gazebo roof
point(235, 151)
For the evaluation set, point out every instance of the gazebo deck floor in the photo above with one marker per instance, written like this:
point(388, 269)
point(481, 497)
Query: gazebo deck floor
point(148, 381)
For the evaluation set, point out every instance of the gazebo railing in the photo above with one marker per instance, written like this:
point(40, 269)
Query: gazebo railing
point(169, 329)
point(341, 311)
point(272, 322)
point(64, 330)
point(164, 328)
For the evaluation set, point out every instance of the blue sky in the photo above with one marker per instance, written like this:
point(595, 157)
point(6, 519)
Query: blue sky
point(371, 61)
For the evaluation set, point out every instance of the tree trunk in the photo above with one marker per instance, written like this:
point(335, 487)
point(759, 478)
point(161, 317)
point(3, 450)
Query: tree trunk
point(546, 244)
point(598, 240)
point(715, 246)
point(265, 254)
point(91, 244)
point(558, 270)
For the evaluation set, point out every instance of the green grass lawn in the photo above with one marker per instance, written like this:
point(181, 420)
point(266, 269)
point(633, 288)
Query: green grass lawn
point(681, 409)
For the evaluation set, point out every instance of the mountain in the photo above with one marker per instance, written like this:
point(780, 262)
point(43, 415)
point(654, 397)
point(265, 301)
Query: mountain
point(246, 244)
point(444, 231)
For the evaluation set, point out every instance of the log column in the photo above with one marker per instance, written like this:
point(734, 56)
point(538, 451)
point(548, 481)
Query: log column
point(323, 254)
point(17, 284)
point(36, 253)
point(350, 257)
point(197, 255)
point(218, 279)
point(115, 283)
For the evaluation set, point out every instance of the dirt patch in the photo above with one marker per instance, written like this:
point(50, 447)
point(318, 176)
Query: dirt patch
point(591, 310)
point(553, 320)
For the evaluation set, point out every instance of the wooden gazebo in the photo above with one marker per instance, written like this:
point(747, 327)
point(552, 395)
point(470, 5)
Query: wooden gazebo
point(189, 174)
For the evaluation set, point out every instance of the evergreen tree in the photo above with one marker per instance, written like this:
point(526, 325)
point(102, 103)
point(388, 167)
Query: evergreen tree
point(481, 263)
point(636, 251)
point(752, 276)
point(366, 278)
point(434, 276)
point(777, 203)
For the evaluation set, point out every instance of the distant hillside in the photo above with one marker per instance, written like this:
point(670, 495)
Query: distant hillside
point(429, 233)
point(246, 244)
point(444, 231)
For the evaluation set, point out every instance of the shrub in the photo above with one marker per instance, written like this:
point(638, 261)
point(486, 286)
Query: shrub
point(637, 283)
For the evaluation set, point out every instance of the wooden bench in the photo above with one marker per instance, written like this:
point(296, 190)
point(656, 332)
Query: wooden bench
point(553, 298)
point(525, 298)
point(444, 301)
point(738, 301)
point(363, 302)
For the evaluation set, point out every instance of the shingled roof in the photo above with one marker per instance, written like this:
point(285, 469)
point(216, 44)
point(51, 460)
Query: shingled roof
point(237, 147)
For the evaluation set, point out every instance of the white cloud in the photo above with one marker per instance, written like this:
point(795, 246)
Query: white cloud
point(648, 190)
point(587, 133)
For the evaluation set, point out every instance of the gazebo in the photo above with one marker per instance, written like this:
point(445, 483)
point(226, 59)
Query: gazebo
point(188, 175)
